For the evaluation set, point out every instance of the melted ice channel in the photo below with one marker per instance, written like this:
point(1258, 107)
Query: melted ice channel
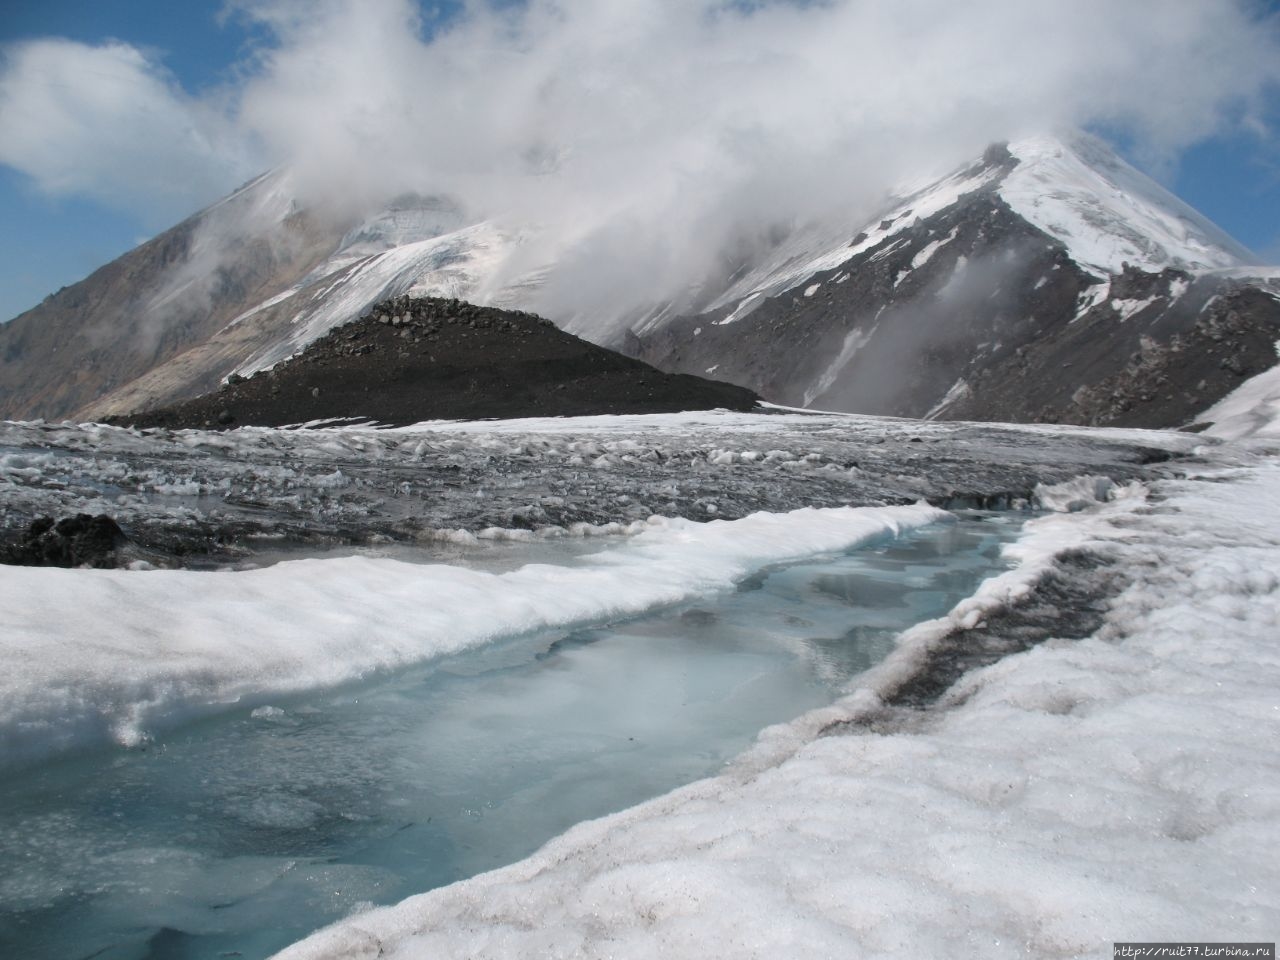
point(236, 834)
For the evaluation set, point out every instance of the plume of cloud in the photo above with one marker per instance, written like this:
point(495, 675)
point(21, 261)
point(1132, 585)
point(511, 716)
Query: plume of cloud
point(643, 138)
point(109, 123)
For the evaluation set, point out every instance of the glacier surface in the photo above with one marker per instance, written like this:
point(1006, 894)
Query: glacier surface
point(1150, 739)
point(1119, 787)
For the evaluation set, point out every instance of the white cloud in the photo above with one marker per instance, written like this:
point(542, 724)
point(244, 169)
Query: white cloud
point(107, 123)
point(645, 136)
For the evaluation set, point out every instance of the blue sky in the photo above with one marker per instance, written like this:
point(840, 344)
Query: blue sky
point(50, 241)
point(52, 235)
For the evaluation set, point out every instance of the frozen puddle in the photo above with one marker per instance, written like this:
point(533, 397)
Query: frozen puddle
point(236, 835)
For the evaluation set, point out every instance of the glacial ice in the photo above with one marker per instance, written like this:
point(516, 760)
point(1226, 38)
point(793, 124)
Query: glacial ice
point(231, 493)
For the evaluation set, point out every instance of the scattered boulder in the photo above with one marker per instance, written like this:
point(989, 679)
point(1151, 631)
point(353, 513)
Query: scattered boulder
point(79, 541)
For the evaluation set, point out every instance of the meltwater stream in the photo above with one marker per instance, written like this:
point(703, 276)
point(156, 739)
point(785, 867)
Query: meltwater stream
point(238, 835)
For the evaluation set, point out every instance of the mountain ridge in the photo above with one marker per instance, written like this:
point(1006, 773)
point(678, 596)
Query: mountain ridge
point(958, 303)
point(252, 280)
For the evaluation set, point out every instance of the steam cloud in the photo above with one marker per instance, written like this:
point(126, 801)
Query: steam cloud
point(644, 138)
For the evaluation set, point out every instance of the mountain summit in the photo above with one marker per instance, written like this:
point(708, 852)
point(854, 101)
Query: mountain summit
point(1046, 280)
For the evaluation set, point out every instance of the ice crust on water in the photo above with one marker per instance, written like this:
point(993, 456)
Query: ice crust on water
point(1120, 787)
point(88, 655)
point(1080, 493)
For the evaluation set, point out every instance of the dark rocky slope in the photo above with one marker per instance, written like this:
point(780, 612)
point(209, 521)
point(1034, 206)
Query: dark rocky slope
point(428, 359)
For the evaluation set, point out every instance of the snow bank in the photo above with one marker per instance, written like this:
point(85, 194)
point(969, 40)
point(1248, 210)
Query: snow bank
point(1251, 410)
point(92, 655)
point(1122, 787)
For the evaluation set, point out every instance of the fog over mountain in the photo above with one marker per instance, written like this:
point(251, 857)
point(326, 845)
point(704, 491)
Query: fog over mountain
point(648, 140)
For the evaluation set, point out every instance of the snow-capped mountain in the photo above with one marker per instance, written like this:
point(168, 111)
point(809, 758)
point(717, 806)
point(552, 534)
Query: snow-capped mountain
point(238, 287)
point(1047, 280)
point(156, 304)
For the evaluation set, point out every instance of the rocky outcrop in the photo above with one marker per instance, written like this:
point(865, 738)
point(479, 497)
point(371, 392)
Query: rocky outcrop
point(78, 541)
point(414, 359)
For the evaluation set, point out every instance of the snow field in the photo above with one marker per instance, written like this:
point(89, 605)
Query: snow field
point(1107, 213)
point(455, 264)
point(88, 656)
point(1122, 787)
